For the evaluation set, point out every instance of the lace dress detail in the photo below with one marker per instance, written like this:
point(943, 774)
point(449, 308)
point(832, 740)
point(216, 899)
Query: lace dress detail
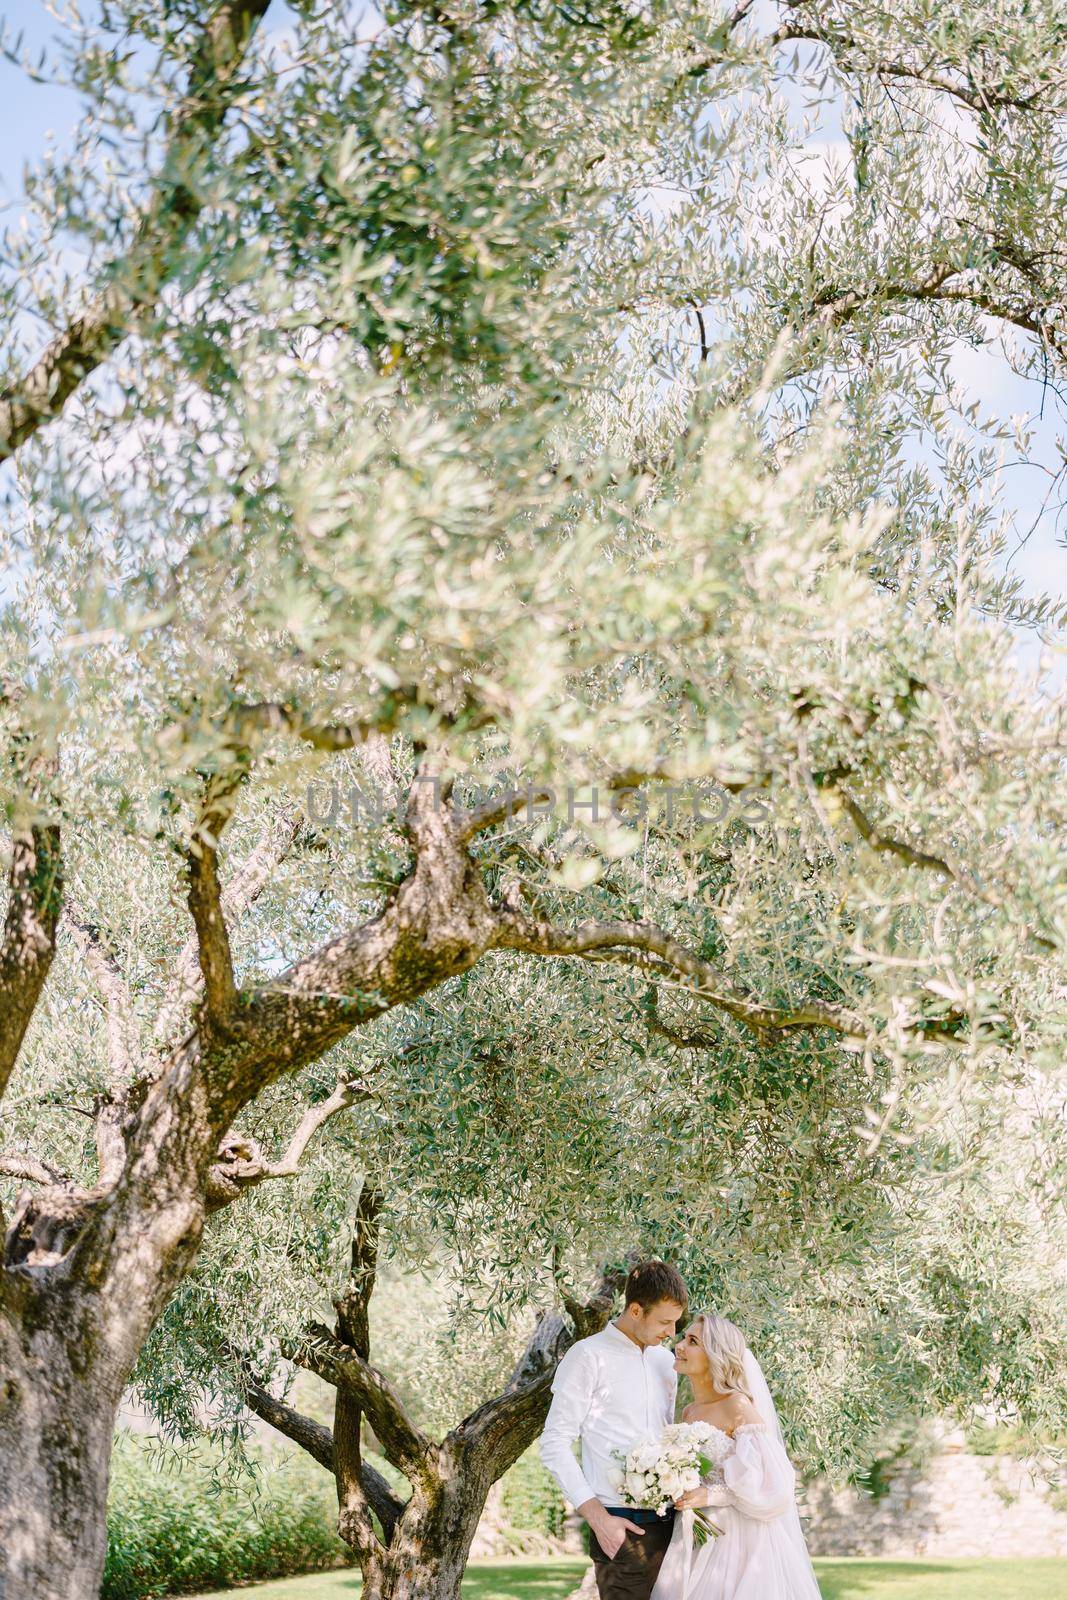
point(741, 1431)
point(716, 1478)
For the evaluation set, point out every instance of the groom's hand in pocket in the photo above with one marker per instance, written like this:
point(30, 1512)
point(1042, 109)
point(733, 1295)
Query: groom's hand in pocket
point(610, 1531)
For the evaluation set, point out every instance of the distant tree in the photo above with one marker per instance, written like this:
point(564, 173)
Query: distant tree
point(370, 443)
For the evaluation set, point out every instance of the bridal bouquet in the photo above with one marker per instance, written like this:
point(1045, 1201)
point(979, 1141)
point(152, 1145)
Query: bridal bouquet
point(653, 1475)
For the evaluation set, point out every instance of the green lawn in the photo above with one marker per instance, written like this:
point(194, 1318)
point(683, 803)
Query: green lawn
point(942, 1580)
point(839, 1580)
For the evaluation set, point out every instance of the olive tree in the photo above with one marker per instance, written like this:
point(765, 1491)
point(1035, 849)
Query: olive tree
point(469, 406)
point(519, 1126)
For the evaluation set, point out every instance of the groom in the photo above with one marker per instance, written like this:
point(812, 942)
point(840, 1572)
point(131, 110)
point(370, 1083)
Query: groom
point(612, 1391)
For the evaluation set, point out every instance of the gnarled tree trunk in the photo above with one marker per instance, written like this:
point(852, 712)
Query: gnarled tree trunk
point(57, 1412)
point(427, 1555)
point(72, 1320)
point(85, 1273)
point(416, 1549)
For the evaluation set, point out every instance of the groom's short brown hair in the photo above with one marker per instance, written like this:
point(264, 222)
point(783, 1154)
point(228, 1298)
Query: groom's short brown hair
point(650, 1282)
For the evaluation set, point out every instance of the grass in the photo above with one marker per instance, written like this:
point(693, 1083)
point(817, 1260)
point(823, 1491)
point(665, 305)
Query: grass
point(838, 1580)
point(550, 1579)
point(943, 1580)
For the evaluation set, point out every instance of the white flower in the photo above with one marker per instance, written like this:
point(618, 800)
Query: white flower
point(658, 1471)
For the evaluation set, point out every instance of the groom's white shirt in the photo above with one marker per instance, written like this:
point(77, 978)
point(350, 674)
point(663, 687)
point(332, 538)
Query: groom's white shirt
point(611, 1394)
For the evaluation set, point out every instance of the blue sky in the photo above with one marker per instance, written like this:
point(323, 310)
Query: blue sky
point(33, 113)
point(28, 111)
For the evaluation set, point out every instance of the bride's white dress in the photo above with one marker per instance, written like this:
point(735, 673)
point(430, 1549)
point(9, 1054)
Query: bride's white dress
point(761, 1554)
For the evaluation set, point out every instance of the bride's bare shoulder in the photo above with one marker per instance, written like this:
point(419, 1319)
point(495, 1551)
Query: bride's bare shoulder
point(741, 1413)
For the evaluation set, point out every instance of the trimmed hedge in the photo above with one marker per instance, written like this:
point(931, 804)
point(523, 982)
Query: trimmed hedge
point(177, 1529)
point(179, 1526)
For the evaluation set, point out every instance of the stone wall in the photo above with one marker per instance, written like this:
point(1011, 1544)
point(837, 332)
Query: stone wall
point(955, 1505)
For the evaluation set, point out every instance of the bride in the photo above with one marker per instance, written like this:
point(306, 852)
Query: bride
point(761, 1554)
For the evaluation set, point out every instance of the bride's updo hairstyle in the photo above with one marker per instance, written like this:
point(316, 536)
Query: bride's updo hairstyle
point(725, 1347)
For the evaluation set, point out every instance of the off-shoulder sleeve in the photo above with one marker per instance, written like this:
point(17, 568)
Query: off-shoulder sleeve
point(758, 1478)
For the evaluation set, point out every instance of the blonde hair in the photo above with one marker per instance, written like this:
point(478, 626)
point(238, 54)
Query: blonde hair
point(725, 1347)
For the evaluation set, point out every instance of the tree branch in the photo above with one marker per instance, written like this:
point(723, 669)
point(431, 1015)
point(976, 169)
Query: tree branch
point(589, 1316)
point(353, 1304)
point(241, 1164)
point(1029, 319)
point(739, 13)
point(238, 895)
point(35, 893)
point(118, 1002)
point(499, 1431)
point(650, 949)
point(500, 809)
point(314, 1437)
point(31, 1170)
point(685, 1039)
point(833, 308)
point(270, 716)
point(438, 924)
point(492, 812)
point(135, 282)
point(205, 897)
point(109, 1113)
point(337, 1363)
point(317, 1439)
point(852, 57)
point(888, 844)
point(643, 945)
point(353, 1330)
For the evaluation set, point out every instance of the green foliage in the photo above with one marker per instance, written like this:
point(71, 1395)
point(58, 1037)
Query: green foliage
point(176, 1526)
point(419, 435)
point(530, 1499)
point(877, 1479)
point(993, 1439)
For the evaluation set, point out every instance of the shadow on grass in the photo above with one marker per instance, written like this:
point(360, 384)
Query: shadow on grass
point(520, 1580)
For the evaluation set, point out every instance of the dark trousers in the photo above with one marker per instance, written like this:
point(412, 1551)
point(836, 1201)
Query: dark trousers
point(631, 1575)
